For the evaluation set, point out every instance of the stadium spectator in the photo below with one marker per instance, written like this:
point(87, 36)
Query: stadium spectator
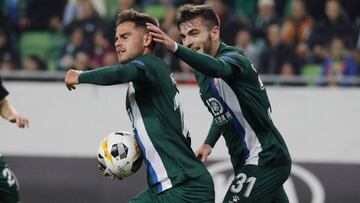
point(41, 15)
point(101, 47)
point(266, 16)
point(120, 6)
point(307, 30)
point(82, 61)
point(170, 3)
point(9, 15)
point(169, 18)
point(338, 63)
point(296, 32)
point(74, 45)
point(109, 59)
point(277, 57)
point(297, 27)
point(88, 20)
point(7, 63)
point(34, 63)
point(231, 23)
point(246, 8)
point(334, 24)
point(9, 56)
point(73, 7)
point(243, 40)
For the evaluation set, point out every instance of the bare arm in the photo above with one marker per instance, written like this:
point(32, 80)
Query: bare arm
point(8, 112)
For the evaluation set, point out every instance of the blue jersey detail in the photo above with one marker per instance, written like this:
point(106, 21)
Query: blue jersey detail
point(235, 122)
point(138, 62)
point(149, 167)
point(228, 58)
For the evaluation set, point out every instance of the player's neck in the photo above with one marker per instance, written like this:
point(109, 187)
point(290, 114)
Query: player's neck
point(148, 51)
point(215, 48)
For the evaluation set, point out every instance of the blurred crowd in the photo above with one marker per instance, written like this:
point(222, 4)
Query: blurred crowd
point(282, 37)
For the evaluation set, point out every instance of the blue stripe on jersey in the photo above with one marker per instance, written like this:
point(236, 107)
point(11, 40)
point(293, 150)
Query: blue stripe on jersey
point(228, 58)
point(149, 167)
point(235, 122)
point(138, 62)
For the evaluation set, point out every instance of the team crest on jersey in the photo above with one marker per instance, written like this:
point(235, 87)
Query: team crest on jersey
point(215, 106)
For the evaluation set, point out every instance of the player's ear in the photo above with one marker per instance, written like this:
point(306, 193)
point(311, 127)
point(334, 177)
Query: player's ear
point(147, 40)
point(215, 33)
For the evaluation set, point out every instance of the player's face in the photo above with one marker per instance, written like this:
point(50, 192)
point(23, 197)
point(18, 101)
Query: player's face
point(129, 41)
point(197, 36)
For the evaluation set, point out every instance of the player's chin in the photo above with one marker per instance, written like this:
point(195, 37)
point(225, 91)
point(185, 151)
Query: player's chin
point(123, 59)
point(200, 51)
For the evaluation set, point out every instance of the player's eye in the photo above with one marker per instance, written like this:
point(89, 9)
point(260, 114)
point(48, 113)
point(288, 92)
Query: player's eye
point(124, 36)
point(194, 33)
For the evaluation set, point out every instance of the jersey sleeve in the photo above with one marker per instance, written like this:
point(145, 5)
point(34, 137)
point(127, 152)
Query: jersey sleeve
point(3, 91)
point(234, 59)
point(213, 135)
point(112, 75)
point(204, 63)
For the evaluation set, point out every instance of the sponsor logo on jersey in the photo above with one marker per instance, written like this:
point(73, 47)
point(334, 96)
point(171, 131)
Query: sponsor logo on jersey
point(221, 117)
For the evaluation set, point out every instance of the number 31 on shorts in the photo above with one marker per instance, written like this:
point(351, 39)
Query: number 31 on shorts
point(238, 185)
point(8, 175)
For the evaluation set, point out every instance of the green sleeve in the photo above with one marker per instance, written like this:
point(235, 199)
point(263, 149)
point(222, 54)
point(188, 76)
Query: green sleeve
point(213, 135)
point(3, 91)
point(112, 75)
point(204, 63)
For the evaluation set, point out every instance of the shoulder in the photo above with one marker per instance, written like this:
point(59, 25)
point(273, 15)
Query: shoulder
point(234, 56)
point(147, 59)
point(151, 65)
point(148, 62)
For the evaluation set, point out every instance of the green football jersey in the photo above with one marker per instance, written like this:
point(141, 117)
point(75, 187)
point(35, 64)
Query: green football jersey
point(157, 120)
point(241, 108)
point(3, 91)
point(3, 94)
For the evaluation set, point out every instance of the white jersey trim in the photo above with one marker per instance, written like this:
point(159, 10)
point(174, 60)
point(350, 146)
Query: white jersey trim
point(152, 156)
point(230, 98)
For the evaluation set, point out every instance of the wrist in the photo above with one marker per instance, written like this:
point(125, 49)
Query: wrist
point(175, 47)
point(79, 76)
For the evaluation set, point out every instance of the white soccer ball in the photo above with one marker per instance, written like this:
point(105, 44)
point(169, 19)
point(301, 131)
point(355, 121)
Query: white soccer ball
point(120, 154)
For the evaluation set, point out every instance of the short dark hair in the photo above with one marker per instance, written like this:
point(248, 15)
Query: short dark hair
point(139, 19)
point(189, 12)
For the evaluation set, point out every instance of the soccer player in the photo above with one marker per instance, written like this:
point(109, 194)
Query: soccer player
point(9, 187)
point(234, 94)
point(174, 172)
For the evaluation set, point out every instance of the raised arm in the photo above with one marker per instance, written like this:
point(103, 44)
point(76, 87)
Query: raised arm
point(110, 75)
point(203, 63)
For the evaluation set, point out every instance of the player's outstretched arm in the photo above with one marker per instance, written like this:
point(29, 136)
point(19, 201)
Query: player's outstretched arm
point(213, 136)
point(110, 75)
point(8, 112)
point(203, 63)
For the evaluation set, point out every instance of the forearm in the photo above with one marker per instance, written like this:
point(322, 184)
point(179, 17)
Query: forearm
point(203, 63)
point(111, 75)
point(213, 135)
point(6, 110)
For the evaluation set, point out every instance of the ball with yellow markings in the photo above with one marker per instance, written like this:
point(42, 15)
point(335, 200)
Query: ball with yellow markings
point(120, 154)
